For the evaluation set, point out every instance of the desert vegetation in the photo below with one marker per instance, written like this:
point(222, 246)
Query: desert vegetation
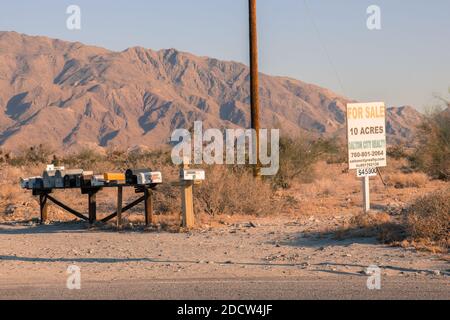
point(433, 152)
point(313, 179)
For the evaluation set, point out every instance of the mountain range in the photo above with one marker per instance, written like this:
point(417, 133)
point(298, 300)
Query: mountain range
point(70, 96)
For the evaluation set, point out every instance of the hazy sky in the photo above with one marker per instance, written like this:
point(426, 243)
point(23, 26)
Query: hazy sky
point(325, 42)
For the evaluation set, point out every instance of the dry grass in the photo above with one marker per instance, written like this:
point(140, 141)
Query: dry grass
point(424, 226)
point(410, 180)
point(235, 191)
point(373, 225)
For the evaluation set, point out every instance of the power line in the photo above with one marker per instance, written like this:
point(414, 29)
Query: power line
point(324, 47)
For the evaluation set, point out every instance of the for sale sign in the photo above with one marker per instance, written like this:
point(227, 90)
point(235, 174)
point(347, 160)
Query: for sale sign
point(366, 131)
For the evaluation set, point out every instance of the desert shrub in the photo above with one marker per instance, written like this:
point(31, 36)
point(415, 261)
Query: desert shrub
point(230, 190)
point(84, 159)
point(433, 152)
point(410, 180)
point(425, 224)
point(298, 156)
point(429, 218)
point(373, 225)
point(167, 199)
point(397, 152)
point(34, 155)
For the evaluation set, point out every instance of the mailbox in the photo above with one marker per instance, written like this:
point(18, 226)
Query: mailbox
point(98, 180)
point(49, 179)
point(59, 178)
point(143, 177)
point(35, 183)
point(192, 175)
point(86, 178)
point(52, 167)
point(114, 177)
point(53, 177)
point(72, 178)
point(147, 178)
point(131, 175)
point(24, 183)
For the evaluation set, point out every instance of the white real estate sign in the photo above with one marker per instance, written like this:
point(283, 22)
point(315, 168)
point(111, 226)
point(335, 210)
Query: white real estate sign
point(366, 132)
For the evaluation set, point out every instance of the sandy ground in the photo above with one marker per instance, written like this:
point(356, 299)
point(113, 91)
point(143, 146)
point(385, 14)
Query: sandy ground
point(292, 254)
point(38, 256)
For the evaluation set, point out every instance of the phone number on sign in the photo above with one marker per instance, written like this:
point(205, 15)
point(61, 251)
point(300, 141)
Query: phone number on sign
point(367, 154)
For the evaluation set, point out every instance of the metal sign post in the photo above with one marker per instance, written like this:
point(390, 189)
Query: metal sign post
point(366, 193)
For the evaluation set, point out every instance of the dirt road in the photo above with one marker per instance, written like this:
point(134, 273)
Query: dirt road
point(285, 258)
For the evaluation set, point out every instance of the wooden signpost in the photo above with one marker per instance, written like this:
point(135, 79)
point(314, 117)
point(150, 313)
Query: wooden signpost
point(188, 178)
point(366, 135)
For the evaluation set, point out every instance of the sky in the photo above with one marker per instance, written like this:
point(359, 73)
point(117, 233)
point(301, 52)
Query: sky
point(325, 42)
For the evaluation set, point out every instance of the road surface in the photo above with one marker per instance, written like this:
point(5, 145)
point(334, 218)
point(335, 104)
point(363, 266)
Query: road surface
point(342, 287)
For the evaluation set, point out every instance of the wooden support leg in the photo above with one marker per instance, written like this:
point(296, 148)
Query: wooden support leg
point(119, 207)
point(92, 207)
point(43, 204)
point(148, 204)
point(187, 199)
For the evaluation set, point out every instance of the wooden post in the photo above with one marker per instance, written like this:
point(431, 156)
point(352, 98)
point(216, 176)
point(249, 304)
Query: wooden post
point(92, 207)
point(187, 196)
point(119, 207)
point(187, 201)
point(43, 204)
point(148, 204)
point(366, 194)
point(254, 83)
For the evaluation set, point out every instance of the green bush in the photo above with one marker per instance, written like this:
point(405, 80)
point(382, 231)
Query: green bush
point(433, 152)
point(298, 156)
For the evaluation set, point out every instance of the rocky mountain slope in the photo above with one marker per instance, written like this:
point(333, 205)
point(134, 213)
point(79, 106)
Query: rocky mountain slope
point(71, 96)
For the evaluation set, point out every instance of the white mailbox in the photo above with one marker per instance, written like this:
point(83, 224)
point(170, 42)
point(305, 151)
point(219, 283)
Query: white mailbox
point(24, 183)
point(145, 178)
point(52, 167)
point(192, 175)
point(98, 180)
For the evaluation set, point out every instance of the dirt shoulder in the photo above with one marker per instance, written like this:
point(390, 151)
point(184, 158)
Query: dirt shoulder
point(260, 248)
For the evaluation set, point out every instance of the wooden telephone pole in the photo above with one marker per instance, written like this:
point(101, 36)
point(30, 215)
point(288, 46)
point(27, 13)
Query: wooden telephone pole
point(254, 82)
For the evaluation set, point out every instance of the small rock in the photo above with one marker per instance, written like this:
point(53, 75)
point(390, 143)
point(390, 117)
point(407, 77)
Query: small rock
point(436, 272)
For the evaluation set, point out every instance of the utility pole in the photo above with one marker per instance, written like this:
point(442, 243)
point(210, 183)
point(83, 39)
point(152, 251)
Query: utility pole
point(254, 83)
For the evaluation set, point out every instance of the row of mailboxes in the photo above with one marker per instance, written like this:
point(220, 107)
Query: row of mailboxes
point(59, 177)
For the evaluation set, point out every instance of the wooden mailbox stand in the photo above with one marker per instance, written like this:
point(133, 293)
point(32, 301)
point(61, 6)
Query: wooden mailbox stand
point(91, 192)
